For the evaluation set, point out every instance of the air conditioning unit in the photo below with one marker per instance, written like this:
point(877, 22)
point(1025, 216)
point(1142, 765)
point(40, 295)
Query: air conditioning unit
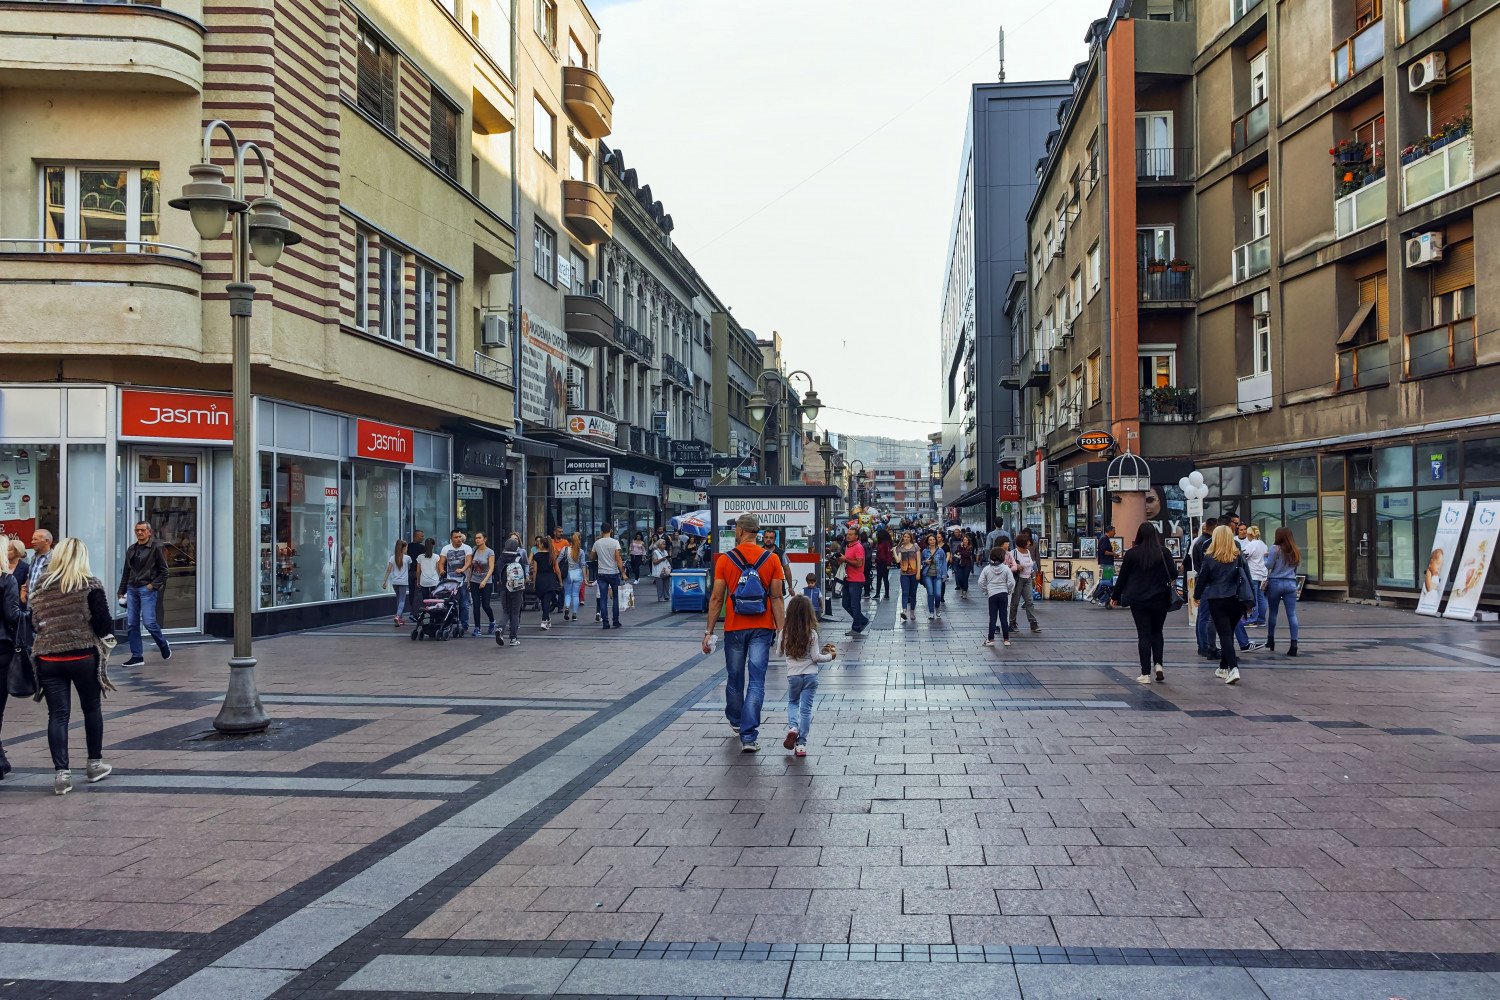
point(1427, 72)
point(1423, 249)
point(596, 288)
point(493, 330)
point(1260, 303)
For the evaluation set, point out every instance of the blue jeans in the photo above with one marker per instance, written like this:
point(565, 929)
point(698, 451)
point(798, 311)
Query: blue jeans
point(463, 605)
point(743, 696)
point(800, 689)
point(934, 587)
point(140, 609)
point(1258, 616)
point(609, 583)
point(908, 592)
point(853, 594)
point(1280, 592)
point(570, 591)
point(1207, 639)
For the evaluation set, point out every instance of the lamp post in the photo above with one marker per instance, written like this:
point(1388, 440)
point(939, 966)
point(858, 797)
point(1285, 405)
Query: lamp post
point(260, 229)
point(760, 409)
point(856, 481)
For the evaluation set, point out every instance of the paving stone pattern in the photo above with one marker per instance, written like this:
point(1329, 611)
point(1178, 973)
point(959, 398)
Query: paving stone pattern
point(584, 823)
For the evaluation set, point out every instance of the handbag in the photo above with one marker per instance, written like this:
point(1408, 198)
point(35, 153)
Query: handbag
point(1175, 600)
point(1246, 590)
point(20, 671)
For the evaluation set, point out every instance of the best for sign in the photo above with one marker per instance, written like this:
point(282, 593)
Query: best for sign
point(386, 442)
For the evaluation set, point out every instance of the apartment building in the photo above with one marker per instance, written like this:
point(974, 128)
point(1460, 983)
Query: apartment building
point(1004, 123)
point(782, 435)
point(380, 406)
point(904, 491)
point(737, 365)
point(1311, 333)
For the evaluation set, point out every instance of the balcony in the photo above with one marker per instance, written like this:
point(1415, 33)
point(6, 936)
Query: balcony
point(1419, 15)
point(1360, 209)
point(1164, 164)
point(1013, 380)
point(1038, 372)
point(497, 370)
point(1442, 348)
point(587, 211)
point(1166, 285)
point(629, 339)
point(1252, 258)
point(1169, 404)
point(1250, 126)
point(589, 320)
point(1253, 392)
point(1363, 367)
point(1358, 52)
point(115, 47)
point(1446, 164)
point(676, 371)
point(588, 101)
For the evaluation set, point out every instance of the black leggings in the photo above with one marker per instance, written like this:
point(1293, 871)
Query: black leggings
point(1150, 617)
point(56, 679)
point(1226, 612)
point(1000, 608)
point(882, 582)
point(481, 594)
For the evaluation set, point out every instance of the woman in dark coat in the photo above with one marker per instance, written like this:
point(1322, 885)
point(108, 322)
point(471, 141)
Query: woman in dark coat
point(1144, 585)
point(10, 625)
point(546, 579)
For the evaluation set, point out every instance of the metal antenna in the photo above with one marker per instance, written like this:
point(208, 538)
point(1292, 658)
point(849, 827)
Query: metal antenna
point(1002, 54)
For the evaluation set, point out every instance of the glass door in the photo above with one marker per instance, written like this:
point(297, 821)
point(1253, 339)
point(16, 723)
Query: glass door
point(1363, 545)
point(168, 496)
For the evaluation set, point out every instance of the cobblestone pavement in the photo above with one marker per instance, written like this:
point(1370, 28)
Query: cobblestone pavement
point(574, 818)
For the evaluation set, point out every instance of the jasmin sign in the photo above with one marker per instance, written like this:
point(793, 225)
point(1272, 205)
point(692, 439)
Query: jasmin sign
point(175, 416)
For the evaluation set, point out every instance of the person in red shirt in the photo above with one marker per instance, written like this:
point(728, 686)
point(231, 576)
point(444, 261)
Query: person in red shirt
point(748, 638)
point(854, 581)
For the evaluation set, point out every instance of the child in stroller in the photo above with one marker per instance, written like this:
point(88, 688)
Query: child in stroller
point(438, 616)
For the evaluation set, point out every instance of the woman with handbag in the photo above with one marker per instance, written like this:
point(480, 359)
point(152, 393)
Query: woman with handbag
point(909, 558)
point(1023, 564)
point(10, 630)
point(934, 575)
point(661, 569)
point(71, 615)
point(1146, 584)
point(1224, 582)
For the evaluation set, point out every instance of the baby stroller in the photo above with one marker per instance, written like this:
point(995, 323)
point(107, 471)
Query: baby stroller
point(438, 617)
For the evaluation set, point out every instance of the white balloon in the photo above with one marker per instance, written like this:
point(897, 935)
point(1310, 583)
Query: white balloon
point(1195, 477)
point(1183, 484)
point(1203, 492)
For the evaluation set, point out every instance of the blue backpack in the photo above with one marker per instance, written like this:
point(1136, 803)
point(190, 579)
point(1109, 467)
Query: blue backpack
point(749, 596)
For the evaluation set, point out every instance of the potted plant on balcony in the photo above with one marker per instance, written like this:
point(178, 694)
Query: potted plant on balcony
point(1349, 151)
point(1179, 265)
point(1156, 265)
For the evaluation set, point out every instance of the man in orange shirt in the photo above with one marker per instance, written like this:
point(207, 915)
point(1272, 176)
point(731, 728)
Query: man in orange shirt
point(748, 637)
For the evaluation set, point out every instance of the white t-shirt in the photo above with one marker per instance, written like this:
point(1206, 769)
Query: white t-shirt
point(607, 551)
point(1255, 554)
point(453, 557)
point(398, 574)
point(427, 569)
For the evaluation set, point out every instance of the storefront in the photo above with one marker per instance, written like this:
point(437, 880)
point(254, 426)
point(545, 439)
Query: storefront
point(481, 489)
point(680, 500)
point(635, 503)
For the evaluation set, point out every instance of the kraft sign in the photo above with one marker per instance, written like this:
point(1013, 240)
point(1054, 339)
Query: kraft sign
point(385, 442)
point(189, 416)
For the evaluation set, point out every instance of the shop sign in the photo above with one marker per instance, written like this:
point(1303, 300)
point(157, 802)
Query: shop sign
point(572, 487)
point(544, 367)
point(684, 498)
point(1474, 564)
point(693, 470)
point(592, 427)
point(586, 466)
point(470, 492)
point(1010, 484)
point(385, 442)
point(482, 458)
point(1444, 554)
point(626, 481)
point(773, 512)
point(191, 416)
point(691, 451)
point(1034, 480)
point(1096, 441)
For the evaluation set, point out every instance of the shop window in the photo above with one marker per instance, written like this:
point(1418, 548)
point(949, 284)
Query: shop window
point(1232, 481)
point(1361, 473)
point(29, 484)
point(1393, 467)
point(95, 207)
point(1429, 507)
point(376, 497)
point(1302, 518)
point(306, 515)
point(1300, 475)
point(1482, 460)
point(429, 504)
point(1395, 540)
point(1332, 469)
point(1332, 530)
point(1266, 515)
point(1437, 464)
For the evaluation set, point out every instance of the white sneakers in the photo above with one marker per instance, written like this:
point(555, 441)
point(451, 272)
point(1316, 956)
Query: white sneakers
point(1233, 676)
point(1221, 673)
point(1161, 674)
point(1143, 679)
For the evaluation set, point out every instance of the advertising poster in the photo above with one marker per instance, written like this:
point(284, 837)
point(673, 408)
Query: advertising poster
point(544, 372)
point(330, 542)
point(1439, 567)
point(1474, 564)
point(17, 494)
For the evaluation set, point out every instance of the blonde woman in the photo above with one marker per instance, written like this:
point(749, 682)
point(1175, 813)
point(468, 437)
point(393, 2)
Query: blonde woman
point(1255, 550)
point(1224, 582)
point(71, 613)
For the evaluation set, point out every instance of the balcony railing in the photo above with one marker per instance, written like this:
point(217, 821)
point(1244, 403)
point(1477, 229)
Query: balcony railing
point(1253, 392)
point(1363, 367)
point(1359, 209)
point(1438, 172)
point(1250, 126)
point(1252, 258)
point(1166, 285)
point(494, 369)
point(637, 343)
point(1419, 15)
point(1169, 405)
point(1164, 163)
point(60, 247)
point(1440, 349)
point(1359, 51)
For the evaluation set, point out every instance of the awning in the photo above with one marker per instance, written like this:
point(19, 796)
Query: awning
point(1352, 330)
point(534, 448)
point(975, 497)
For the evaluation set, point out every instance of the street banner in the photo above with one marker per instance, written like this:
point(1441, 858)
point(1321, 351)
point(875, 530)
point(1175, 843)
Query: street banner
point(1450, 529)
point(1474, 564)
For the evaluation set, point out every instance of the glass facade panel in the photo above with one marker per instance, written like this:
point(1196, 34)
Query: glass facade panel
point(430, 510)
point(1361, 473)
point(1301, 475)
point(1266, 515)
point(306, 529)
point(377, 525)
point(30, 483)
point(1332, 467)
point(90, 496)
point(1302, 518)
point(1395, 539)
point(1482, 461)
point(1429, 505)
point(1265, 479)
point(1393, 467)
point(1332, 531)
point(1437, 463)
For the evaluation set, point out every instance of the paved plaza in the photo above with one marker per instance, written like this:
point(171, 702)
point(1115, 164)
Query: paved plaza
point(573, 817)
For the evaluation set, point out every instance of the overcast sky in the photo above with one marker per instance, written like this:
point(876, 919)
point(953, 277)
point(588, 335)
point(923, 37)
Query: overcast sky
point(808, 152)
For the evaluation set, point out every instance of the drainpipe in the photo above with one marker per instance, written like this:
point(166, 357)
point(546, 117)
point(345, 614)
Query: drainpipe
point(518, 490)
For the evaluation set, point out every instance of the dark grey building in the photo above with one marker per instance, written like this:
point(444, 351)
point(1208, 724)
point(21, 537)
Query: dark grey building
point(1005, 133)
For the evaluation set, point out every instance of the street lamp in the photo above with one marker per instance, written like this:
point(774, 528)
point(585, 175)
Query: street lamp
point(759, 409)
point(261, 230)
point(856, 481)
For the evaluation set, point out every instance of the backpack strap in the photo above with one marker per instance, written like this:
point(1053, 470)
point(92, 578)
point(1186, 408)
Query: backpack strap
point(764, 555)
point(737, 559)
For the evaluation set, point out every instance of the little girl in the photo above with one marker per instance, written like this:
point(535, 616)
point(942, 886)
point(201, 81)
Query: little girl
point(799, 644)
point(996, 581)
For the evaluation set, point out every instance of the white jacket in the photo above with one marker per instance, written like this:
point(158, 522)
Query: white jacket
point(996, 578)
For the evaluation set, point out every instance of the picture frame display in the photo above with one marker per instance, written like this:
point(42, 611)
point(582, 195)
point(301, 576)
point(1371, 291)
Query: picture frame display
point(1062, 569)
point(1063, 550)
point(1088, 548)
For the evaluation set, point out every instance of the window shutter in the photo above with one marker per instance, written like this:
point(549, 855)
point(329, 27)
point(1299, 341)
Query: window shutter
point(1364, 12)
point(1452, 99)
point(368, 76)
point(388, 86)
point(1373, 290)
point(1456, 270)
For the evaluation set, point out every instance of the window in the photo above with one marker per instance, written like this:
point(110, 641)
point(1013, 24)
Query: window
point(1154, 243)
point(1153, 144)
point(543, 130)
point(1363, 355)
point(1260, 210)
point(1063, 316)
point(1093, 269)
point(376, 78)
point(1075, 189)
point(1091, 379)
point(445, 119)
point(1158, 366)
point(1092, 174)
point(1449, 342)
point(1259, 89)
point(1049, 332)
point(1075, 291)
point(392, 287)
point(544, 251)
point(1036, 263)
point(489, 21)
point(427, 310)
point(1260, 344)
point(1047, 238)
point(579, 268)
point(361, 280)
point(105, 208)
point(546, 22)
point(578, 161)
point(1453, 100)
point(576, 54)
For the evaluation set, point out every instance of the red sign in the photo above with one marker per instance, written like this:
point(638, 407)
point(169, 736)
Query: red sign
point(386, 442)
point(145, 413)
point(1010, 484)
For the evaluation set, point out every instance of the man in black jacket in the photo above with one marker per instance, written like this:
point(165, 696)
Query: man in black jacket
point(1208, 642)
point(142, 577)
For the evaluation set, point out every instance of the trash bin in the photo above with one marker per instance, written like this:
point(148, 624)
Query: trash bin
point(689, 590)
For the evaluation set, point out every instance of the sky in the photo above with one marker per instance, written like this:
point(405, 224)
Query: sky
point(808, 152)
